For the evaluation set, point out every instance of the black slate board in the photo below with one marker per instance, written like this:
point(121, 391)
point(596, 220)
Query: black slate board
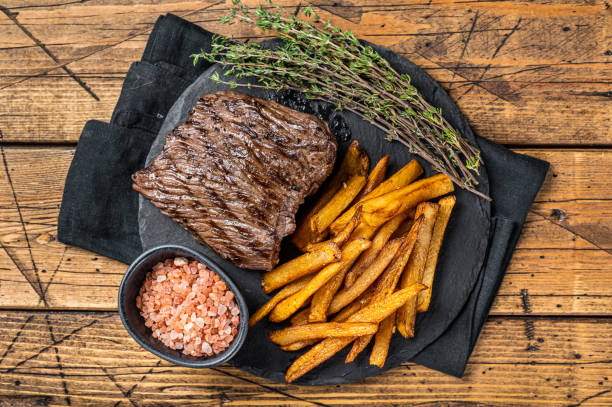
point(461, 258)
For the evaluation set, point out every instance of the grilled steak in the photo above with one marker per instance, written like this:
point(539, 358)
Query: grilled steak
point(235, 173)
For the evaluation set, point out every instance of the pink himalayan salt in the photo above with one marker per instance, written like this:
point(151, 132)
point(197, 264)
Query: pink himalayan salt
point(188, 307)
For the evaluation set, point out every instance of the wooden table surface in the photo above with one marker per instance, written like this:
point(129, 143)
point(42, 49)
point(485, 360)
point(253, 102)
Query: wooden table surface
point(533, 75)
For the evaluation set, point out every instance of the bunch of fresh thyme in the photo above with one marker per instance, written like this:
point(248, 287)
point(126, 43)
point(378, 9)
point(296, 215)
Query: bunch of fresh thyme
point(329, 64)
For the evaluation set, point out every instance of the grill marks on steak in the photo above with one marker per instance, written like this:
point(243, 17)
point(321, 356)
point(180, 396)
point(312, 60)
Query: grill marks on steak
point(236, 172)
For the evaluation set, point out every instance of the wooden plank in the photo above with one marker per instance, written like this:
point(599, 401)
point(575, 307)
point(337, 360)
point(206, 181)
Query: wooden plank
point(562, 264)
point(407, 26)
point(517, 361)
point(581, 224)
point(52, 108)
point(544, 113)
point(525, 92)
point(548, 279)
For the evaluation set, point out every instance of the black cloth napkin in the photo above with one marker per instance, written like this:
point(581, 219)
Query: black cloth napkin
point(99, 209)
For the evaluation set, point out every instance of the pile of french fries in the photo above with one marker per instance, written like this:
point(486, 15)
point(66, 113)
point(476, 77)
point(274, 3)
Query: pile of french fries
point(370, 252)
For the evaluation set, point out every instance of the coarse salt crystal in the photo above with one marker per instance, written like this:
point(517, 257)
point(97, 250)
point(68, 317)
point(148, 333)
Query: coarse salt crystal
point(188, 307)
point(206, 348)
point(180, 261)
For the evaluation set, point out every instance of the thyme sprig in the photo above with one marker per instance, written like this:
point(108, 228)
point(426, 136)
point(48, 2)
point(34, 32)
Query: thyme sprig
point(326, 63)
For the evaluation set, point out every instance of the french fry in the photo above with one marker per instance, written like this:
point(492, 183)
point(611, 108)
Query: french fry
point(403, 177)
point(382, 340)
point(323, 298)
point(307, 332)
point(406, 315)
point(303, 235)
point(446, 207)
point(411, 195)
point(301, 318)
point(388, 281)
point(290, 305)
point(285, 292)
point(305, 264)
point(360, 344)
point(380, 239)
point(341, 237)
point(371, 222)
point(353, 307)
point(379, 210)
point(339, 202)
point(355, 162)
point(325, 349)
point(298, 345)
point(376, 176)
point(363, 230)
point(367, 278)
point(405, 226)
point(376, 219)
point(324, 295)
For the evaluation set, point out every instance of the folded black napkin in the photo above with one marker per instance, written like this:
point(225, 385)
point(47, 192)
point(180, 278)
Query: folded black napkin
point(99, 209)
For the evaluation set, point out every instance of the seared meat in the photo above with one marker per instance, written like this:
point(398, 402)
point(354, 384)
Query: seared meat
point(236, 172)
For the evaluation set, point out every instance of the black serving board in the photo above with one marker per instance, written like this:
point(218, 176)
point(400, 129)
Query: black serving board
point(461, 258)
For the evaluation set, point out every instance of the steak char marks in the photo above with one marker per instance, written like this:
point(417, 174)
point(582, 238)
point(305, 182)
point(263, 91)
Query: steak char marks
point(236, 172)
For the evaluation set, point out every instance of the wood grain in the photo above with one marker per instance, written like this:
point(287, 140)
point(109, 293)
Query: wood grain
point(562, 265)
point(524, 73)
point(521, 72)
point(89, 359)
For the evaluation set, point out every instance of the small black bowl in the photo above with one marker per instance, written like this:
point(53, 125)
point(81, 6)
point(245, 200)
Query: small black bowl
point(134, 323)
